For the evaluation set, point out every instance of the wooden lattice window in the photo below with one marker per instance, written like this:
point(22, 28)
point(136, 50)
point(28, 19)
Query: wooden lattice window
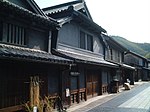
point(82, 40)
point(89, 43)
point(13, 34)
point(13, 89)
point(86, 41)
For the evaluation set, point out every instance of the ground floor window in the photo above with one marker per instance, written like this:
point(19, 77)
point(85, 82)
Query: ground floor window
point(13, 88)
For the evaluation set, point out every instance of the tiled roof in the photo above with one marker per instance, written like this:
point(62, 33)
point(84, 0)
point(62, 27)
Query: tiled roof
point(113, 43)
point(7, 7)
point(79, 17)
point(72, 10)
point(21, 53)
point(82, 58)
point(62, 7)
point(135, 54)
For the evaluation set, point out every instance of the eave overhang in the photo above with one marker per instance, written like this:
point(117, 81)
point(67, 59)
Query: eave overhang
point(83, 20)
point(114, 44)
point(135, 54)
point(84, 59)
point(127, 66)
point(7, 8)
point(79, 18)
point(33, 55)
point(122, 65)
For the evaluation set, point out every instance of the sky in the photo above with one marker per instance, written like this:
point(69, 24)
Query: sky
point(126, 18)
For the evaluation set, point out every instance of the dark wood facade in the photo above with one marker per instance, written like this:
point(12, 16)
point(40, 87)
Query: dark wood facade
point(140, 63)
point(25, 51)
point(79, 39)
point(73, 64)
point(15, 78)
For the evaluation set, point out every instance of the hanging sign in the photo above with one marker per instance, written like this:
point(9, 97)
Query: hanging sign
point(67, 92)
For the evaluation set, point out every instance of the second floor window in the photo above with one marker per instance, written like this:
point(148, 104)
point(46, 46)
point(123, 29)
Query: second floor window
point(111, 54)
point(86, 41)
point(119, 57)
point(13, 34)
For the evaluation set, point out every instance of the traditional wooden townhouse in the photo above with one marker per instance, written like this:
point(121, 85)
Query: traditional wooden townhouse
point(140, 63)
point(25, 55)
point(79, 39)
point(115, 54)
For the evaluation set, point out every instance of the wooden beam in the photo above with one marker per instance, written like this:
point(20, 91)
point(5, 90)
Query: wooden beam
point(12, 108)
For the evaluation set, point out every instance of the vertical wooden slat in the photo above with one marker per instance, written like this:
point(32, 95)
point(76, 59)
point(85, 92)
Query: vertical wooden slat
point(78, 87)
point(5, 34)
point(61, 85)
point(9, 33)
point(23, 36)
point(20, 36)
point(49, 42)
point(17, 33)
point(85, 75)
point(69, 87)
point(12, 33)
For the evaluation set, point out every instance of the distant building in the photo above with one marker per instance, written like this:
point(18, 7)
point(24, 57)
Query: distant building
point(115, 53)
point(141, 65)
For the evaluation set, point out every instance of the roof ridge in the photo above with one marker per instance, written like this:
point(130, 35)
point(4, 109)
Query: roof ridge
point(6, 5)
point(63, 4)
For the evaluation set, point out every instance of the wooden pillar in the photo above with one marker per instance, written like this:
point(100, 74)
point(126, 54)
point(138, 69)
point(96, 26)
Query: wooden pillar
point(78, 86)
point(31, 92)
point(85, 75)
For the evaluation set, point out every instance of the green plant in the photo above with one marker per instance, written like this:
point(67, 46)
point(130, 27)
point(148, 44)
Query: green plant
point(44, 104)
point(27, 107)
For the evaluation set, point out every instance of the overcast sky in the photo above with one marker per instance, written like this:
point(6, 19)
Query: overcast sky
point(126, 18)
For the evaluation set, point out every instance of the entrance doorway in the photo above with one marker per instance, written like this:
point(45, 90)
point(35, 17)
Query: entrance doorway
point(92, 85)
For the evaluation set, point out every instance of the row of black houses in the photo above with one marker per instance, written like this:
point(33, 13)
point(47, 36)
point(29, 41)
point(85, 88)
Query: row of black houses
point(72, 56)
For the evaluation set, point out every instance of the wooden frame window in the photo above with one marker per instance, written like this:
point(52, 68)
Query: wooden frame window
point(13, 34)
point(111, 54)
point(13, 89)
point(82, 40)
point(119, 56)
point(89, 43)
point(86, 41)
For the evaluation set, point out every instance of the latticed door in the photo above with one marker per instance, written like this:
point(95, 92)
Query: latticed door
point(92, 84)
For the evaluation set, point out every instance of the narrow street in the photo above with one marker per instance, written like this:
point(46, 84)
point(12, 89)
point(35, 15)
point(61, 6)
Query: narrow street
point(134, 100)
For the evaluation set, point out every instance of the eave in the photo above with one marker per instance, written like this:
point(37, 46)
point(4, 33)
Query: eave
point(7, 8)
point(78, 17)
point(83, 20)
point(35, 7)
point(31, 55)
point(135, 54)
point(114, 44)
point(84, 59)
